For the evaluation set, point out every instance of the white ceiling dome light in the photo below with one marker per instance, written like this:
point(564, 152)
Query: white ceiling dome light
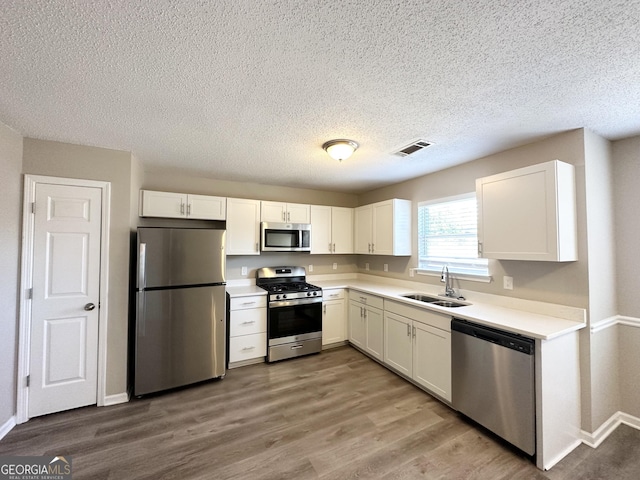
point(340, 149)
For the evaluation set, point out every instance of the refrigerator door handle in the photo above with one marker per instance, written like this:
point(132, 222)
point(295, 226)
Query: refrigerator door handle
point(142, 311)
point(142, 276)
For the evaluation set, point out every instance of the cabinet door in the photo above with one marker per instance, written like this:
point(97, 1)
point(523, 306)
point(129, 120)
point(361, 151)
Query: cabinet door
point(320, 229)
point(356, 324)
point(273, 212)
point(243, 226)
point(362, 229)
point(298, 213)
point(163, 204)
point(374, 324)
point(398, 343)
point(382, 228)
point(206, 207)
point(432, 359)
point(333, 322)
point(528, 213)
point(342, 229)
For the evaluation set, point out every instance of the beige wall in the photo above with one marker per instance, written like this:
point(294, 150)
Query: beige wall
point(10, 220)
point(626, 177)
point(171, 181)
point(91, 163)
point(562, 283)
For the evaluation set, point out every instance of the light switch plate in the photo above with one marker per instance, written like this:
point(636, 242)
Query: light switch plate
point(386, 267)
point(310, 269)
point(244, 270)
point(335, 266)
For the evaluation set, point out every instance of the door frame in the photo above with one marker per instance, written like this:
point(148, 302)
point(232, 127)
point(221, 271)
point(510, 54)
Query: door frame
point(26, 283)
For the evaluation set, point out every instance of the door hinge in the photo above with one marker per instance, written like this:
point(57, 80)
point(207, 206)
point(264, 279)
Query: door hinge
point(33, 207)
point(28, 380)
point(29, 293)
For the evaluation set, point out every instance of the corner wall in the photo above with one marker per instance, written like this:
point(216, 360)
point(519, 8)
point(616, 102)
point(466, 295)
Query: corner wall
point(10, 238)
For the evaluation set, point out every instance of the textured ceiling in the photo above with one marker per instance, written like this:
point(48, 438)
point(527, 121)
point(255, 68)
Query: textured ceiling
point(249, 90)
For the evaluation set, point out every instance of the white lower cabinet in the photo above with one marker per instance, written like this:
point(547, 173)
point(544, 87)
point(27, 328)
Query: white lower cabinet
point(247, 329)
point(366, 323)
point(417, 344)
point(334, 316)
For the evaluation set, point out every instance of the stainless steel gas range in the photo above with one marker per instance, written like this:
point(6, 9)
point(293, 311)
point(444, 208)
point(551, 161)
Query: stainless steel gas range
point(294, 313)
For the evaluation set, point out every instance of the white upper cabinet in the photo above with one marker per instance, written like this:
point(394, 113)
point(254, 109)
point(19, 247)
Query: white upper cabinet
point(285, 212)
point(528, 214)
point(243, 226)
point(206, 207)
point(181, 205)
point(384, 228)
point(331, 230)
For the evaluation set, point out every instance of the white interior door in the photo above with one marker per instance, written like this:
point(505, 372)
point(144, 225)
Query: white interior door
point(63, 362)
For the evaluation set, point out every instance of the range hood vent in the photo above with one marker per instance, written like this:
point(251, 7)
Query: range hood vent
point(413, 148)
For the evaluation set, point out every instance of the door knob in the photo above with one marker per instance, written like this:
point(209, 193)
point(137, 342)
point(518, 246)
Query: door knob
point(89, 306)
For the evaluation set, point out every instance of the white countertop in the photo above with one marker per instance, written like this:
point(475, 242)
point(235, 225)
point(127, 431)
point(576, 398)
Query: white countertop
point(548, 322)
point(530, 324)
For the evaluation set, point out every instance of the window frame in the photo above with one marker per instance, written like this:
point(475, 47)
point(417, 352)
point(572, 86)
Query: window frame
point(460, 272)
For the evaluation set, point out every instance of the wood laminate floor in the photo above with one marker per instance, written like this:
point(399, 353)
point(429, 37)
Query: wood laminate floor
point(337, 415)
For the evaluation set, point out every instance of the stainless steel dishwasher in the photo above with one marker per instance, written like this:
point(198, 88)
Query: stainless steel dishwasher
point(493, 381)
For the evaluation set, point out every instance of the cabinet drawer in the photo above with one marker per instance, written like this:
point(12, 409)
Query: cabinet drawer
point(249, 321)
point(332, 294)
point(247, 347)
point(367, 299)
point(241, 303)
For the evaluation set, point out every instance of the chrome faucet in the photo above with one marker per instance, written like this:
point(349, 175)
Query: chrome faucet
point(449, 291)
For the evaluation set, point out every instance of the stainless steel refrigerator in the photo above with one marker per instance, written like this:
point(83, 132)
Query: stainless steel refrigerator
point(180, 308)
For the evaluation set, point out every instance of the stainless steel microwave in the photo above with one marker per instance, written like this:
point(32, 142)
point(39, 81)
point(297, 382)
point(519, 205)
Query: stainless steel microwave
point(285, 237)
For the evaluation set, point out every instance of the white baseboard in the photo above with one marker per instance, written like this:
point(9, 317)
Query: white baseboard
point(7, 427)
point(116, 399)
point(607, 428)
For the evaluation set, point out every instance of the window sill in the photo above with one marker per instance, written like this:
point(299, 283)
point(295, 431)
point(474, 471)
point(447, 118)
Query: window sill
point(456, 276)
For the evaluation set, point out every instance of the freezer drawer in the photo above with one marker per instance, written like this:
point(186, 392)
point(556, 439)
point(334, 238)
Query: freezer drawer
point(180, 337)
point(493, 381)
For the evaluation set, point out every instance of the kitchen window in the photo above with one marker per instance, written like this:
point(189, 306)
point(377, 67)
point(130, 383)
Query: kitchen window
point(448, 236)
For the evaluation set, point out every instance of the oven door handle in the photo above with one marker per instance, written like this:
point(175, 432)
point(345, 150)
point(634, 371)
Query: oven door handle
point(297, 301)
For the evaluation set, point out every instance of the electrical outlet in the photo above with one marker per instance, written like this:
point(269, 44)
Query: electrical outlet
point(244, 270)
point(507, 283)
point(412, 272)
point(385, 267)
point(310, 268)
point(335, 266)
point(366, 266)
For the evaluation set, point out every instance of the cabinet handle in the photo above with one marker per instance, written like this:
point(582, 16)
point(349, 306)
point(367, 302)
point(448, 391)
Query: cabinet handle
point(334, 295)
point(181, 208)
point(361, 312)
point(248, 322)
point(373, 248)
point(334, 248)
point(365, 313)
point(288, 216)
point(329, 247)
point(257, 247)
point(414, 332)
point(248, 348)
point(369, 247)
point(324, 309)
point(188, 209)
point(248, 303)
point(363, 299)
point(479, 249)
point(408, 330)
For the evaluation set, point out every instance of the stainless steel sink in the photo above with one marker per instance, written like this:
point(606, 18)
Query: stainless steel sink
point(440, 301)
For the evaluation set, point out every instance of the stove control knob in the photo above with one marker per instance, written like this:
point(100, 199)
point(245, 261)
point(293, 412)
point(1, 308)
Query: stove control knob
point(284, 296)
point(277, 297)
point(315, 293)
point(308, 294)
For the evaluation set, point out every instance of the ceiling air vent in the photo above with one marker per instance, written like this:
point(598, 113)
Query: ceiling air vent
point(413, 148)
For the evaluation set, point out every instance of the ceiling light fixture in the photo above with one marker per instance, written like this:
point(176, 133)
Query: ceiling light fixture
point(340, 149)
